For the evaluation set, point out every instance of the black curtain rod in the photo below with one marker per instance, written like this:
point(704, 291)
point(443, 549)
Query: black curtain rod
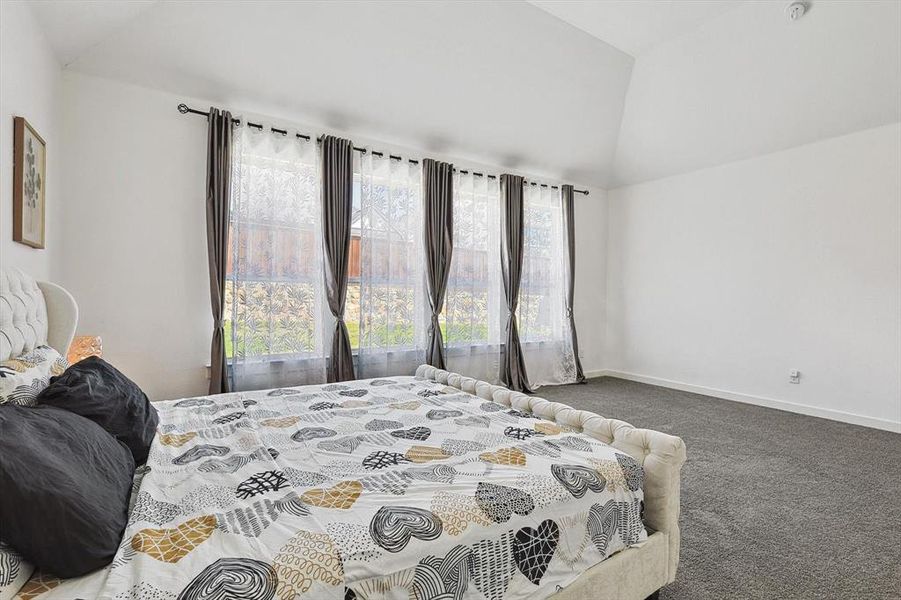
point(185, 109)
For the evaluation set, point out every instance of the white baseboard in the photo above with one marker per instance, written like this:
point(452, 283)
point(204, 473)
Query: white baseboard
point(804, 409)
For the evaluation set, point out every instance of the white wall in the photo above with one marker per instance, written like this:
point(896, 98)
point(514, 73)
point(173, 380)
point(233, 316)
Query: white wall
point(29, 87)
point(750, 82)
point(726, 278)
point(135, 251)
point(590, 305)
point(723, 278)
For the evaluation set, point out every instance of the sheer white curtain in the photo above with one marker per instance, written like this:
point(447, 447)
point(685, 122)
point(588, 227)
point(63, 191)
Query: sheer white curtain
point(543, 327)
point(386, 303)
point(474, 309)
point(274, 289)
point(275, 314)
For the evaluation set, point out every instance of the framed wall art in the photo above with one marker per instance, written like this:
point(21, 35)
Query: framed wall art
point(29, 183)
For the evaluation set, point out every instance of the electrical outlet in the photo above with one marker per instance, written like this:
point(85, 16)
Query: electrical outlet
point(794, 376)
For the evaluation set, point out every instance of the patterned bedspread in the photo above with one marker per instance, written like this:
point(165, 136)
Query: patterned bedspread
point(376, 489)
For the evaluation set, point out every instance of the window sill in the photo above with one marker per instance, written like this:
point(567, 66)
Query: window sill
point(277, 361)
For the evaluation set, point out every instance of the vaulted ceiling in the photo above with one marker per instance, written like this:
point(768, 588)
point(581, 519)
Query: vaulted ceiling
point(750, 82)
point(502, 83)
point(602, 93)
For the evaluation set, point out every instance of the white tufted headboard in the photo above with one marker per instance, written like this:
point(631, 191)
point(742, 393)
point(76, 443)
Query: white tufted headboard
point(33, 313)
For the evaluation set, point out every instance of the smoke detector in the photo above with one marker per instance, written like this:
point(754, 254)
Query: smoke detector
point(795, 10)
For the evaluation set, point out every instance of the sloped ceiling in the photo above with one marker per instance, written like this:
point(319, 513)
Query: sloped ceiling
point(503, 83)
point(634, 26)
point(549, 88)
point(750, 82)
point(73, 27)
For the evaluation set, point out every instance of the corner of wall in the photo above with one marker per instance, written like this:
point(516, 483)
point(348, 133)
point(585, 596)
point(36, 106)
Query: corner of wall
point(591, 278)
point(724, 279)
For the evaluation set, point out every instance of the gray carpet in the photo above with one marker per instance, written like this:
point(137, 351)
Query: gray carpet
point(774, 505)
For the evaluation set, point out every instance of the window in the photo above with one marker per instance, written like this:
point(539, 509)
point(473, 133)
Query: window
point(543, 327)
point(277, 325)
point(386, 292)
point(474, 307)
point(541, 300)
point(274, 280)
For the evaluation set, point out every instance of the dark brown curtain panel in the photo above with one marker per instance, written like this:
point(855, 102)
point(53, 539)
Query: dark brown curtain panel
point(218, 190)
point(570, 233)
point(513, 367)
point(438, 217)
point(337, 207)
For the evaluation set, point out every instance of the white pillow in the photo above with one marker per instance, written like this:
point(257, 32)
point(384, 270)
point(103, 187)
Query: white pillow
point(24, 377)
point(14, 572)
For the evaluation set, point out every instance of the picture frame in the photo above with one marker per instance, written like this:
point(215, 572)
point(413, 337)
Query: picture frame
point(29, 184)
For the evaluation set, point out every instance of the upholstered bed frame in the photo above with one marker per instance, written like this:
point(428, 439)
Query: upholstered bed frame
point(634, 573)
point(34, 313)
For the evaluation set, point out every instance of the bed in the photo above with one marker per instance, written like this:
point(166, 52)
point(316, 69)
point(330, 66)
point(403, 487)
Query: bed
point(431, 486)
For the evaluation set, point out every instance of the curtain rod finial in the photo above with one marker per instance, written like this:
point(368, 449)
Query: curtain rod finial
point(183, 108)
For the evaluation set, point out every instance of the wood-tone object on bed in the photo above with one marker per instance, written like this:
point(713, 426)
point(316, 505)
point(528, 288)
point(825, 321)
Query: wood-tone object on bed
point(33, 313)
point(634, 573)
point(29, 183)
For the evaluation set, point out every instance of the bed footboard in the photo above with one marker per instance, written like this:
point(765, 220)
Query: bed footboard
point(660, 454)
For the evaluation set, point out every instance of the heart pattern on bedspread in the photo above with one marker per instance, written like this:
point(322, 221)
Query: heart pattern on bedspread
point(499, 502)
point(171, 545)
point(393, 527)
point(233, 578)
point(424, 454)
point(198, 452)
point(177, 439)
point(493, 566)
point(533, 549)
point(578, 480)
point(341, 496)
point(391, 488)
point(505, 456)
point(419, 434)
point(313, 433)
